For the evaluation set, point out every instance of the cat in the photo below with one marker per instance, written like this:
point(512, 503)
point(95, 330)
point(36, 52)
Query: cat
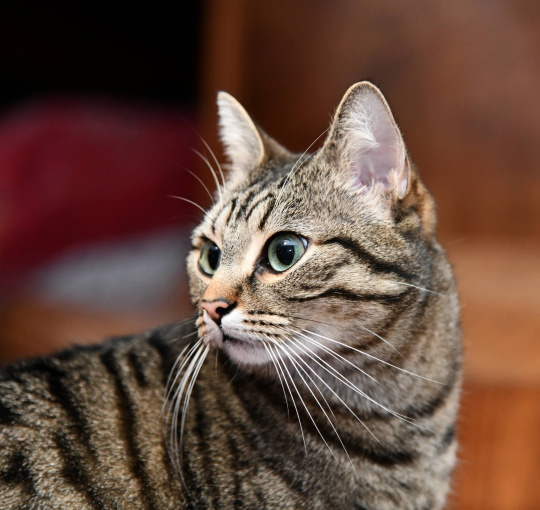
point(322, 368)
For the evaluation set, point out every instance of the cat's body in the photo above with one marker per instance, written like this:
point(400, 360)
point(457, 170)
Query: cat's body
point(336, 383)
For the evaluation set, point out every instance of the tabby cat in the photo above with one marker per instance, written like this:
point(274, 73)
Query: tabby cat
point(322, 369)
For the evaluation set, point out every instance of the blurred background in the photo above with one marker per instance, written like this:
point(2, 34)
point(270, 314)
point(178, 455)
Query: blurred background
point(102, 108)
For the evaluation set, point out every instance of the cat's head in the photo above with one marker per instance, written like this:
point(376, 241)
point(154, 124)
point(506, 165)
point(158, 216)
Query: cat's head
point(304, 250)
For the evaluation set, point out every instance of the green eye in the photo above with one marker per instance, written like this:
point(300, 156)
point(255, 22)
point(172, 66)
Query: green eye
point(209, 258)
point(285, 250)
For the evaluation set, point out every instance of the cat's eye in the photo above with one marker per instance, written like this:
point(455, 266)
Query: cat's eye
point(284, 251)
point(209, 258)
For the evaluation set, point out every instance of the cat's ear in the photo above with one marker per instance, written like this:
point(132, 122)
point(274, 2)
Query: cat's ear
point(365, 141)
point(246, 145)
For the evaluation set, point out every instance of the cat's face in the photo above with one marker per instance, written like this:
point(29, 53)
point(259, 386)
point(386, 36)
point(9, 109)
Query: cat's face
point(310, 251)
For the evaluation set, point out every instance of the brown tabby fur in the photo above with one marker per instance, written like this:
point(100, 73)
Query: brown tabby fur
point(82, 429)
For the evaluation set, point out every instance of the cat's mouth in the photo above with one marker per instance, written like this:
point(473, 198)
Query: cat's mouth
point(233, 340)
point(245, 350)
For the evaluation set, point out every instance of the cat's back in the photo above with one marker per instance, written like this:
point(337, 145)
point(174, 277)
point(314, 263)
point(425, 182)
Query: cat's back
point(81, 429)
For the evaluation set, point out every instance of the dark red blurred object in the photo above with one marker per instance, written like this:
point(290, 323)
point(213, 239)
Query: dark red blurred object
point(76, 171)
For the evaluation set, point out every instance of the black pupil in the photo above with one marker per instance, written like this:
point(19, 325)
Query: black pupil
point(213, 257)
point(285, 252)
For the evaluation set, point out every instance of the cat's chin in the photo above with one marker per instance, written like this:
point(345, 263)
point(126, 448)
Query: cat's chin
point(245, 352)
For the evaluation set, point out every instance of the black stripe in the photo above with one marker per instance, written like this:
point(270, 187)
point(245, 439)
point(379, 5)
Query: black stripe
point(192, 485)
point(18, 473)
point(258, 441)
point(202, 430)
point(428, 408)
point(282, 181)
point(235, 450)
point(263, 312)
point(448, 438)
point(245, 203)
point(74, 473)
point(257, 203)
point(385, 456)
point(129, 420)
point(7, 416)
point(138, 368)
point(233, 206)
point(217, 215)
point(266, 215)
point(340, 293)
point(164, 352)
point(374, 263)
point(63, 396)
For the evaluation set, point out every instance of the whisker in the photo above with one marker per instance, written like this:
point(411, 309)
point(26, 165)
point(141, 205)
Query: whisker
point(175, 438)
point(339, 398)
point(419, 288)
point(282, 365)
point(300, 162)
point(373, 357)
point(182, 360)
point(205, 160)
point(279, 376)
point(214, 158)
point(333, 354)
point(187, 396)
point(188, 201)
point(340, 326)
point(202, 183)
point(307, 410)
point(349, 384)
point(380, 338)
point(309, 377)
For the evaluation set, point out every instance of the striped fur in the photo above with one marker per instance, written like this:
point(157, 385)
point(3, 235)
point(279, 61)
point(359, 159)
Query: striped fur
point(332, 384)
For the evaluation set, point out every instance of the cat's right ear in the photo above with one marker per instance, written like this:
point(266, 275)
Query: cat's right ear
point(240, 137)
point(246, 145)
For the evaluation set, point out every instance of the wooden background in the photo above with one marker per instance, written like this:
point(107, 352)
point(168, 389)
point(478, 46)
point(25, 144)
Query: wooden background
point(462, 79)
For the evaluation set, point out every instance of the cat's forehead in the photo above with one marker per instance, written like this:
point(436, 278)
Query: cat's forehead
point(304, 197)
point(253, 206)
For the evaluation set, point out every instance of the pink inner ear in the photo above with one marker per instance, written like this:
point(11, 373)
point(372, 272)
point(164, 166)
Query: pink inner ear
point(374, 147)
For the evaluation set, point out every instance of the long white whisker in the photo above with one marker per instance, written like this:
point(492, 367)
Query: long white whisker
point(205, 160)
point(300, 162)
point(335, 394)
point(359, 325)
point(279, 376)
point(175, 372)
point(175, 439)
point(282, 365)
point(333, 354)
point(187, 396)
point(309, 377)
point(214, 158)
point(419, 288)
point(349, 384)
point(281, 347)
point(188, 201)
point(202, 183)
point(380, 338)
point(373, 357)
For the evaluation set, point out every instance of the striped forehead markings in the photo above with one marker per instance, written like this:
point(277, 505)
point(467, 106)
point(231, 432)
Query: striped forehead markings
point(220, 212)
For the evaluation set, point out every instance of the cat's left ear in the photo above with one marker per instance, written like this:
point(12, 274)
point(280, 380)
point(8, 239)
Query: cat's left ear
point(364, 140)
point(246, 145)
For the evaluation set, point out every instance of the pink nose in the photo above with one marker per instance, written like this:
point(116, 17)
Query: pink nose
point(217, 309)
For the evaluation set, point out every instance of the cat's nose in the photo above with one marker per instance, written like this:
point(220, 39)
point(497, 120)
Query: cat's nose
point(217, 309)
